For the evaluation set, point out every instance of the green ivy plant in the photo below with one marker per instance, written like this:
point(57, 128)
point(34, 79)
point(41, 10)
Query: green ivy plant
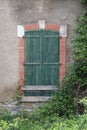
point(80, 52)
point(83, 1)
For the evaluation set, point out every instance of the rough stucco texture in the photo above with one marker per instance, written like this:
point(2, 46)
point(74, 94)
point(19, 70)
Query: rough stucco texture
point(15, 12)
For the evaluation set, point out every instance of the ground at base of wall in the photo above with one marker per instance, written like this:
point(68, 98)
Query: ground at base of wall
point(15, 107)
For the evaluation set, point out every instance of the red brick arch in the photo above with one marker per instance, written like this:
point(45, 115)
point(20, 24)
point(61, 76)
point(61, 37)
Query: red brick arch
point(48, 26)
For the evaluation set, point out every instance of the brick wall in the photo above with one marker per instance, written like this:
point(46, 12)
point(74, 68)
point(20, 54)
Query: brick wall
point(35, 26)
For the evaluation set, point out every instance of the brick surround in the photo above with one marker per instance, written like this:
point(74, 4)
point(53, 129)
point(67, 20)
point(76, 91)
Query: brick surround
point(35, 26)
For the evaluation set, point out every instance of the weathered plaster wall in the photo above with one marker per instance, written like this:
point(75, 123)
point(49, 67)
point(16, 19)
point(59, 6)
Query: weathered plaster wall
point(8, 52)
point(14, 12)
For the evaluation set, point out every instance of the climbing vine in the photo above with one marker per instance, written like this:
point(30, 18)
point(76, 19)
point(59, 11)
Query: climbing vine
point(80, 51)
point(83, 1)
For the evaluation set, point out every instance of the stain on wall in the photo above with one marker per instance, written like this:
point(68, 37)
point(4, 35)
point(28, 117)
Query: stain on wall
point(15, 12)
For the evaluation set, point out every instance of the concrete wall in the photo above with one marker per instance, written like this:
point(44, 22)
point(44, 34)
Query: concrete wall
point(14, 12)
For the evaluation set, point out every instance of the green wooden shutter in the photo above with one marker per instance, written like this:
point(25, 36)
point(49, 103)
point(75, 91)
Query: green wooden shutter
point(41, 57)
point(51, 57)
point(33, 58)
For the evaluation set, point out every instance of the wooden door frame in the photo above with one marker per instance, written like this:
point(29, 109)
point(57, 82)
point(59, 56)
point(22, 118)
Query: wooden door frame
point(48, 26)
